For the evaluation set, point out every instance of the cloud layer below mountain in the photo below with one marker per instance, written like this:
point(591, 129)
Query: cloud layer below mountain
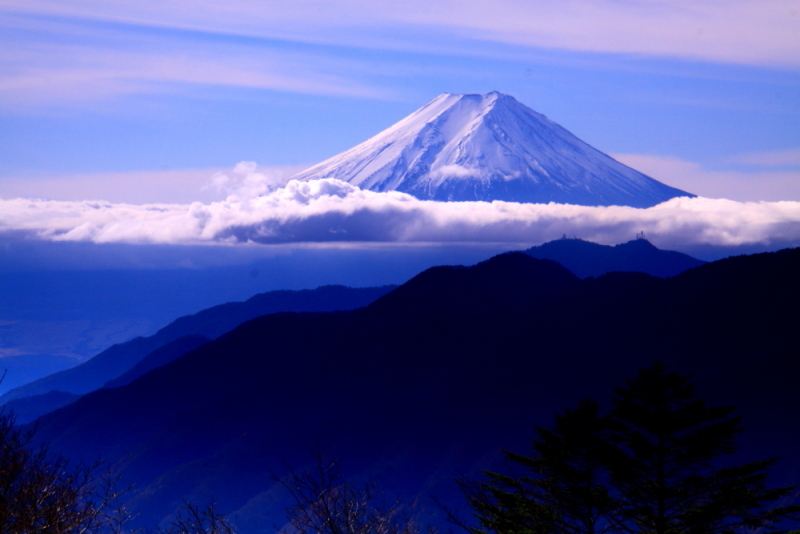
point(328, 210)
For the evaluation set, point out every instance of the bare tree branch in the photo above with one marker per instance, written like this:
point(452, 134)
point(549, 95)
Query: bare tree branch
point(325, 503)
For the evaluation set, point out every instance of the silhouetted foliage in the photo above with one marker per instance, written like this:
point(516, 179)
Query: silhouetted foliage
point(665, 475)
point(192, 519)
point(326, 503)
point(645, 467)
point(565, 488)
point(42, 493)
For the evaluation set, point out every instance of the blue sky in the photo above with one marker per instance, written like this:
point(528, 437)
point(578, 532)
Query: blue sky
point(145, 101)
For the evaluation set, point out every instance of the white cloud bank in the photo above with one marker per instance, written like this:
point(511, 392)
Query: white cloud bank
point(332, 211)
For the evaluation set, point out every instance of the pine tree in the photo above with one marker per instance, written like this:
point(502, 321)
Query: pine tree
point(564, 487)
point(665, 477)
point(647, 467)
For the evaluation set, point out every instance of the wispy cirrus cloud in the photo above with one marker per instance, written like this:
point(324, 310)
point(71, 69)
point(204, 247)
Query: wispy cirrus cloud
point(70, 66)
point(761, 32)
point(330, 211)
point(82, 50)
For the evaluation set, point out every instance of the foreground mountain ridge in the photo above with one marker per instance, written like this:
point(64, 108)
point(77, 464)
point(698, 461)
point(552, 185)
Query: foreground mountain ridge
point(484, 147)
point(434, 377)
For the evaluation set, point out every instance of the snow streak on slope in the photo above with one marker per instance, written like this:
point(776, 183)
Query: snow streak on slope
point(489, 147)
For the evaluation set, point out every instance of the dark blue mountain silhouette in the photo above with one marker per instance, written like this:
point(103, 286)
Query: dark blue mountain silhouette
point(585, 258)
point(161, 356)
point(435, 377)
point(211, 322)
point(27, 409)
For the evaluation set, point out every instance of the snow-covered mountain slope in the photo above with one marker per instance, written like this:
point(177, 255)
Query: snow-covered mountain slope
point(489, 147)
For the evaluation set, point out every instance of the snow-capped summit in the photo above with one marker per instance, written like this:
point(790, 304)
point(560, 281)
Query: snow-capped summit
point(489, 147)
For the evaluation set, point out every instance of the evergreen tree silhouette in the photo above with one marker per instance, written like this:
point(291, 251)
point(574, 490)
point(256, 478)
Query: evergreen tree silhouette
point(646, 467)
point(565, 487)
point(664, 475)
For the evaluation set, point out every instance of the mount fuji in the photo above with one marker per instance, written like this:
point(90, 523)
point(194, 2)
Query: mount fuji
point(475, 147)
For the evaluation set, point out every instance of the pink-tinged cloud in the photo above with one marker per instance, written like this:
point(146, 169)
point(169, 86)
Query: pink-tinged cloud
point(182, 186)
point(768, 184)
point(772, 158)
point(328, 210)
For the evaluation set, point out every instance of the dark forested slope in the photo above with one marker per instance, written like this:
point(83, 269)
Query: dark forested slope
point(434, 377)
